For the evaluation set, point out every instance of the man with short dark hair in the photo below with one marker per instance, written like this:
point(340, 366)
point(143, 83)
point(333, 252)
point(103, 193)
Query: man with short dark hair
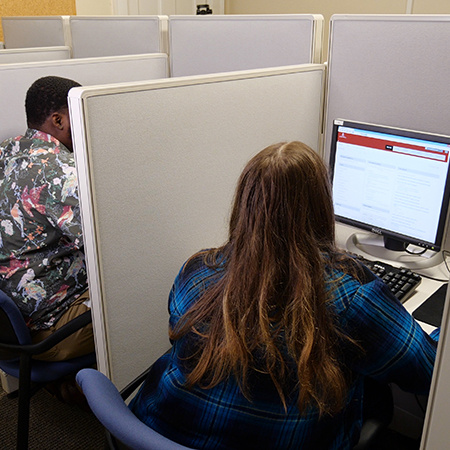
point(42, 265)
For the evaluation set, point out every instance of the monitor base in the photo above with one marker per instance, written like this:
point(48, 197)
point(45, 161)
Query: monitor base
point(372, 247)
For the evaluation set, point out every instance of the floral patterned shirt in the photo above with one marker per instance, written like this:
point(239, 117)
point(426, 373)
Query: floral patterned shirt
point(42, 266)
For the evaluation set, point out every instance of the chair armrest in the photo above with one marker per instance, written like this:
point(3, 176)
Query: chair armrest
point(108, 406)
point(59, 335)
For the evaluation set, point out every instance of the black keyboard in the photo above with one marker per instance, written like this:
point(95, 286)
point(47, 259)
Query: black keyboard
point(401, 282)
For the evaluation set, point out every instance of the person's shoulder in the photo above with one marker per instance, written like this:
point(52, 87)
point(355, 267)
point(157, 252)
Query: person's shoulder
point(197, 262)
point(10, 143)
point(203, 264)
point(342, 267)
point(7, 142)
point(45, 142)
point(346, 277)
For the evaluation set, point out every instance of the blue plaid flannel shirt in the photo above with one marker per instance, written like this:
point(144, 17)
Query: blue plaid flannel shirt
point(396, 349)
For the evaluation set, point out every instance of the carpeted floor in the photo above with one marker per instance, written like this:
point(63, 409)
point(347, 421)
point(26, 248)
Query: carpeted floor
point(53, 425)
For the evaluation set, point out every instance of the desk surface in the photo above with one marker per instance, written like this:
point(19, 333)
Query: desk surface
point(424, 290)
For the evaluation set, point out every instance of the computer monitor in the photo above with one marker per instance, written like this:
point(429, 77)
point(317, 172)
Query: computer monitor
point(392, 182)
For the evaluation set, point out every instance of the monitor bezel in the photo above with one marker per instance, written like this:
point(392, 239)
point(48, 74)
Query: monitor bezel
point(390, 235)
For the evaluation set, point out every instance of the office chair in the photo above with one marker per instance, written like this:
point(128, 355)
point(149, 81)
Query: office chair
point(125, 431)
point(16, 358)
point(123, 428)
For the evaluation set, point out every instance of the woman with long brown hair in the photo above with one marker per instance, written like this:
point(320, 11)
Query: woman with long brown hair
point(274, 332)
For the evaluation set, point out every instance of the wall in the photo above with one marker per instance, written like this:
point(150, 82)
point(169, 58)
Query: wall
point(36, 8)
point(94, 8)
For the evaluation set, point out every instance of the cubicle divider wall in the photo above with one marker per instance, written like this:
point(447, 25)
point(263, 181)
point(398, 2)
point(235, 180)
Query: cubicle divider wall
point(35, 31)
point(222, 43)
point(20, 55)
point(15, 79)
point(393, 70)
point(117, 35)
point(157, 164)
point(198, 44)
point(389, 70)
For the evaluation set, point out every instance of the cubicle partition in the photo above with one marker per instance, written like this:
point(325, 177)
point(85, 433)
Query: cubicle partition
point(20, 55)
point(222, 43)
point(117, 35)
point(394, 73)
point(15, 79)
point(391, 70)
point(157, 164)
point(35, 31)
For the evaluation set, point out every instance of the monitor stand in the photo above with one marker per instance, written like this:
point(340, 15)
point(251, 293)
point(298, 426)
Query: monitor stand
point(372, 246)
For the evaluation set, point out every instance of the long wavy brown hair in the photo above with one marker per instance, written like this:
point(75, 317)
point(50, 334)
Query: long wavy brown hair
point(268, 312)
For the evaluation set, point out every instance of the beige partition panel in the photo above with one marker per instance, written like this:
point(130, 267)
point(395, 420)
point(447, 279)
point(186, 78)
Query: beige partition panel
point(391, 70)
point(15, 79)
point(212, 44)
point(157, 165)
point(19, 55)
point(117, 35)
point(35, 31)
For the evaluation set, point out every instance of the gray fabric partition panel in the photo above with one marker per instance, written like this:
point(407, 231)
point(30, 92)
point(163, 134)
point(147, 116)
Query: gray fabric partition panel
point(157, 165)
point(391, 70)
point(36, 31)
point(20, 55)
point(200, 45)
point(15, 79)
point(114, 35)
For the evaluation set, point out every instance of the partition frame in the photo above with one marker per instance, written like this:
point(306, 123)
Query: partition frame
point(366, 112)
point(394, 74)
point(78, 102)
point(162, 26)
point(37, 54)
point(64, 39)
point(314, 49)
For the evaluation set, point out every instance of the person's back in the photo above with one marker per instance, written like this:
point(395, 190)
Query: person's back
point(40, 259)
point(42, 266)
point(274, 332)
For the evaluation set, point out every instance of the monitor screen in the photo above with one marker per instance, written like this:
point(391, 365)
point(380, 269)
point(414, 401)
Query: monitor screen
point(392, 182)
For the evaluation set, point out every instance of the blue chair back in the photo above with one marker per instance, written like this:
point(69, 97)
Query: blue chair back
point(13, 329)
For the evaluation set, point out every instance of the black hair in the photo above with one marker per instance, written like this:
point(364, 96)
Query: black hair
point(46, 96)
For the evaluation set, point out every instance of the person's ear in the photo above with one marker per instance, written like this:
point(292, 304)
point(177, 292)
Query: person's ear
point(57, 120)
